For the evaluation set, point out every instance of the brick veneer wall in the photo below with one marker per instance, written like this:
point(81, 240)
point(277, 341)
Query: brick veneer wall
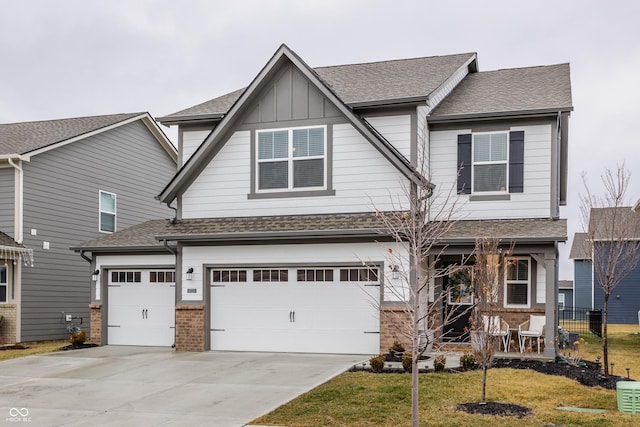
point(96, 323)
point(9, 323)
point(390, 320)
point(190, 328)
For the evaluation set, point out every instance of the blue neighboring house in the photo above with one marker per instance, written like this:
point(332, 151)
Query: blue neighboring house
point(624, 302)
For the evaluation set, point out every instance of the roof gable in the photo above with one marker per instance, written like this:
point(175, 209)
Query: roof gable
point(31, 138)
point(358, 85)
point(283, 58)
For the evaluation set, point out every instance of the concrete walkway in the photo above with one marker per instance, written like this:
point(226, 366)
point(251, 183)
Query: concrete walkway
point(138, 386)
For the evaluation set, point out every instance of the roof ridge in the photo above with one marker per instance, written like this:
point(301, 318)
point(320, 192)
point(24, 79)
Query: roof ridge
point(76, 118)
point(324, 67)
point(523, 68)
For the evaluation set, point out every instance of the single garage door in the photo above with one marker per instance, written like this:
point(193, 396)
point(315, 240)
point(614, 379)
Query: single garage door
point(141, 307)
point(309, 310)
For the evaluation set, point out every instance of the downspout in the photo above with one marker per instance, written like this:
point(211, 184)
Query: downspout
point(19, 208)
point(175, 262)
point(558, 163)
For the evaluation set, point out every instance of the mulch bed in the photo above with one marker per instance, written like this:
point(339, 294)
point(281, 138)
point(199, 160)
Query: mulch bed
point(495, 408)
point(77, 346)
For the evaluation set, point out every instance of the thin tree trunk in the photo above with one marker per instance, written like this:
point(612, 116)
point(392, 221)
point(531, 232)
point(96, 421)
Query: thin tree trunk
point(415, 353)
point(484, 383)
point(605, 341)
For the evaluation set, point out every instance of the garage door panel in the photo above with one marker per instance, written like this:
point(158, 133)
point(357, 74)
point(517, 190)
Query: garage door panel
point(323, 317)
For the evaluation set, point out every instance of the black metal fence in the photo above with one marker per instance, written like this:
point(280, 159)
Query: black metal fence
point(583, 321)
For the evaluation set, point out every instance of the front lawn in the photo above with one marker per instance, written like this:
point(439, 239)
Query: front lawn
point(365, 399)
point(32, 348)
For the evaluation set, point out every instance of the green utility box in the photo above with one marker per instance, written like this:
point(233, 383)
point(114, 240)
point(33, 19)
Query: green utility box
point(628, 397)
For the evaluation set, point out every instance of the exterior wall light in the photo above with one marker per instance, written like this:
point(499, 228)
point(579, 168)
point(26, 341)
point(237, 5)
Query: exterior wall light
point(189, 274)
point(395, 273)
point(95, 275)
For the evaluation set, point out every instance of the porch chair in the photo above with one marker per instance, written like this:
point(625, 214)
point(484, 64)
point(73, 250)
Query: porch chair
point(532, 328)
point(497, 327)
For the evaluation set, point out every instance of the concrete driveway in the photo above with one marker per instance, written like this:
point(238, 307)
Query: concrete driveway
point(143, 386)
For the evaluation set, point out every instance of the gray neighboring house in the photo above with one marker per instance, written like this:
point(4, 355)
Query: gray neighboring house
point(63, 182)
point(582, 271)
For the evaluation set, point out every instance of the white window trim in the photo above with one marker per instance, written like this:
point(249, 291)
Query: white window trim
point(474, 163)
point(561, 302)
point(290, 160)
point(5, 284)
point(114, 213)
point(527, 282)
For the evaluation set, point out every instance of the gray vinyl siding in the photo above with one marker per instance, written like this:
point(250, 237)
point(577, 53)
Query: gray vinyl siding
point(7, 200)
point(582, 283)
point(624, 301)
point(61, 189)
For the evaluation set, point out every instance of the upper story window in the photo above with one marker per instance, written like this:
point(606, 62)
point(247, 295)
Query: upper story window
point(490, 162)
point(518, 282)
point(107, 212)
point(291, 159)
point(3, 284)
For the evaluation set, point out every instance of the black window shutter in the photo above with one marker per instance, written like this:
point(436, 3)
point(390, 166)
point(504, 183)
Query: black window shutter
point(516, 161)
point(464, 164)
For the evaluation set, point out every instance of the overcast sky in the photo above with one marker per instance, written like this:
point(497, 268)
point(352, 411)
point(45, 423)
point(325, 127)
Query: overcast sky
point(76, 58)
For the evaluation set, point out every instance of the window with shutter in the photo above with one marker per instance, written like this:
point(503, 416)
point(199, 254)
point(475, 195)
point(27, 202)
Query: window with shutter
point(291, 159)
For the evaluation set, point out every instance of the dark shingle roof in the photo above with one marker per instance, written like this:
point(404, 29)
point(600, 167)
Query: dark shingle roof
point(622, 223)
point(5, 240)
point(22, 138)
point(510, 90)
point(148, 234)
point(373, 82)
point(516, 230)
point(580, 248)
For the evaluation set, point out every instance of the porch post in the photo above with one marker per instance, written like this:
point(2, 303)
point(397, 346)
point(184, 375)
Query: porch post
point(551, 304)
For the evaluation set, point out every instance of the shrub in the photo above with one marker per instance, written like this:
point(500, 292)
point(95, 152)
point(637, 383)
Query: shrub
point(78, 336)
point(377, 363)
point(396, 347)
point(407, 362)
point(439, 363)
point(467, 360)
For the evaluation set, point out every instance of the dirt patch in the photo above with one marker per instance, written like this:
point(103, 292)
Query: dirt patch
point(14, 347)
point(495, 408)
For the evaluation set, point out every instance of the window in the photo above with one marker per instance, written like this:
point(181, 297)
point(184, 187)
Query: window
point(3, 284)
point(517, 282)
point(561, 302)
point(126, 277)
point(490, 162)
point(162, 277)
point(360, 274)
point(220, 276)
point(291, 159)
point(270, 275)
point(315, 275)
point(107, 212)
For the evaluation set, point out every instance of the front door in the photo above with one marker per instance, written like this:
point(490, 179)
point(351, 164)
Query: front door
point(458, 304)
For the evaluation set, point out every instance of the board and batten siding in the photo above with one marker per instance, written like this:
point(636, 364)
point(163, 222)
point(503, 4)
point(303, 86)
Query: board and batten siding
point(533, 202)
point(307, 255)
point(624, 301)
point(583, 283)
point(7, 200)
point(61, 205)
point(362, 179)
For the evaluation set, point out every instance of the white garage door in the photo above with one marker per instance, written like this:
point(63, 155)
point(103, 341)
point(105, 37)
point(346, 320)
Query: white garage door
point(141, 307)
point(311, 310)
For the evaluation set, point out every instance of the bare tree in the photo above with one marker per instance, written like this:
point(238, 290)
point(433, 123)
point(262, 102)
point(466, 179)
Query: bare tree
point(487, 328)
point(418, 224)
point(613, 238)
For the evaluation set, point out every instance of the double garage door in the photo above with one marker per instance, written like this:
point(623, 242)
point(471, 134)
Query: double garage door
point(311, 310)
point(141, 307)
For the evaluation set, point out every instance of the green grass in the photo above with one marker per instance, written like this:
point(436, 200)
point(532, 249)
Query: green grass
point(33, 348)
point(364, 399)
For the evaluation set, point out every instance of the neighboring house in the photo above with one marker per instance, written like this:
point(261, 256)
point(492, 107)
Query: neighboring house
point(582, 271)
point(63, 182)
point(276, 244)
point(565, 294)
point(624, 301)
